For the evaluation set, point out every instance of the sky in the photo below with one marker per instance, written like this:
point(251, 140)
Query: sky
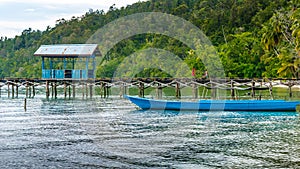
point(18, 15)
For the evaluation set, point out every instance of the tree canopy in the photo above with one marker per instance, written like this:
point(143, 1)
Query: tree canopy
point(254, 38)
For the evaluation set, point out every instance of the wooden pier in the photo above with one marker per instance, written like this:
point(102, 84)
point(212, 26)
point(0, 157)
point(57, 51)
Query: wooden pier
point(69, 87)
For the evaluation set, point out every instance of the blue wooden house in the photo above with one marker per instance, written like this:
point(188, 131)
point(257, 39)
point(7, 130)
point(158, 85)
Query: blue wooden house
point(68, 61)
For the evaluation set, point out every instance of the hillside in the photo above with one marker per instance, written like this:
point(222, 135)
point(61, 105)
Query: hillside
point(254, 38)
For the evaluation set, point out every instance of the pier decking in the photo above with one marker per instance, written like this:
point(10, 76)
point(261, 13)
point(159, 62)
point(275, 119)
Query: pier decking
point(104, 84)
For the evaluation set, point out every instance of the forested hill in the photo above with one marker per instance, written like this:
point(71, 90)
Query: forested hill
point(254, 38)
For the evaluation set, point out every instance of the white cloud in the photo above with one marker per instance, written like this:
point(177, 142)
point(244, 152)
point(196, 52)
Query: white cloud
point(38, 14)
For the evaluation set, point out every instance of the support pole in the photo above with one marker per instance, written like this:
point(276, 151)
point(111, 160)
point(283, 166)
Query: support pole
point(213, 91)
point(73, 90)
point(271, 90)
point(17, 91)
point(232, 90)
point(29, 91)
point(122, 90)
point(33, 90)
point(47, 89)
point(26, 93)
point(86, 90)
point(69, 91)
point(13, 90)
point(91, 90)
point(104, 89)
point(290, 89)
point(252, 89)
point(52, 88)
point(8, 90)
point(195, 91)
point(82, 90)
point(141, 89)
point(55, 90)
point(65, 89)
point(25, 105)
point(159, 91)
point(178, 93)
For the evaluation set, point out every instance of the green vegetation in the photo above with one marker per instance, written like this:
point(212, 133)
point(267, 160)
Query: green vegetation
point(254, 38)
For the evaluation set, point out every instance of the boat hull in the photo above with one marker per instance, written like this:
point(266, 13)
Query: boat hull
point(216, 105)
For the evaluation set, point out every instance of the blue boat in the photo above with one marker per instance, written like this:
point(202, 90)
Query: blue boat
point(215, 105)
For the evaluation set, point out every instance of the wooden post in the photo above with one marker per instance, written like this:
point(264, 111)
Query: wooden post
point(29, 91)
point(8, 90)
point(73, 90)
point(82, 90)
point(159, 91)
point(52, 88)
point(13, 90)
point(91, 90)
point(25, 105)
point(290, 89)
point(69, 91)
point(271, 90)
point(65, 89)
point(122, 91)
point(252, 89)
point(33, 90)
point(261, 84)
point(213, 91)
point(17, 91)
point(86, 90)
point(26, 93)
point(141, 89)
point(195, 91)
point(232, 90)
point(47, 89)
point(178, 93)
point(104, 90)
point(55, 90)
point(0, 91)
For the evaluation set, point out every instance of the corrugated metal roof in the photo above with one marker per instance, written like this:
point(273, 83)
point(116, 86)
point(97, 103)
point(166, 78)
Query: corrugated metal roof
point(67, 50)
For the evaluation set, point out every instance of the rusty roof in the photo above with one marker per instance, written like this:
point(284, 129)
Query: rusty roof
point(71, 50)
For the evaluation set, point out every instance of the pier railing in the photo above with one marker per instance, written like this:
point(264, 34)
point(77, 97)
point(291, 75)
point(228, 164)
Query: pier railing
point(69, 86)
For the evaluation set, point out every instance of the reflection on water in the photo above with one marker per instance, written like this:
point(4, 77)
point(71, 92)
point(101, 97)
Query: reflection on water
point(108, 133)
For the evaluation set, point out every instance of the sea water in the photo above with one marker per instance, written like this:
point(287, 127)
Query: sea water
point(113, 133)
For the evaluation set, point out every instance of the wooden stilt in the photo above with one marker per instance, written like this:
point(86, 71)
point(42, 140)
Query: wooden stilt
point(253, 89)
point(0, 91)
point(25, 105)
point(104, 90)
point(122, 92)
point(29, 91)
point(52, 90)
point(213, 93)
point(65, 90)
point(91, 90)
point(178, 93)
point(13, 90)
point(8, 90)
point(82, 90)
point(69, 91)
point(141, 89)
point(86, 90)
point(26, 92)
point(74, 90)
point(195, 91)
point(159, 91)
point(33, 91)
point(232, 90)
point(47, 89)
point(290, 89)
point(55, 90)
point(17, 91)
